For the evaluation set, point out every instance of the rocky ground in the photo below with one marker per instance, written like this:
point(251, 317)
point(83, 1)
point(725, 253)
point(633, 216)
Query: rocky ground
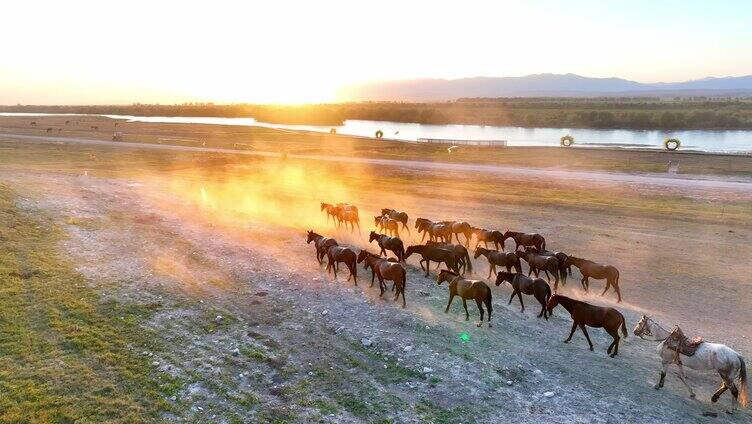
point(255, 331)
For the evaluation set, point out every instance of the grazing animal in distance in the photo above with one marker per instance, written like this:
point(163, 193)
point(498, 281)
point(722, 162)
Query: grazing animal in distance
point(595, 270)
point(707, 357)
point(398, 216)
point(384, 223)
point(467, 289)
point(33, 123)
point(385, 270)
point(584, 314)
point(538, 263)
point(522, 284)
point(49, 130)
point(525, 239)
point(388, 243)
point(496, 258)
point(463, 257)
point(340, 254)
point(433, 253)
point(321, 243)
point(95, 128)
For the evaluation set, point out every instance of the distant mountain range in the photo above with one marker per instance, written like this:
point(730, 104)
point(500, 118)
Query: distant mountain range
point(540, 85)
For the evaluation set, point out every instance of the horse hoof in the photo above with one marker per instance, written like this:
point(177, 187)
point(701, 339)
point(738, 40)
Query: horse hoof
point(566, 341)
point(714, 399)
point(692, 395)
point(657, 387)
point(591, 348)
point(612, 355)
point(479, 324)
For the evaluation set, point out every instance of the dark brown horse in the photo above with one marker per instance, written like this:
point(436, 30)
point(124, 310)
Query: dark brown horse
point(331, 211)
point(385, 270)
point(321, 243)
point(384, 223)
point(463, 257)
point(436, 231)
point(388, 243)
point(496, 258)
point(584, 314)
point(522, 284)
point(538, 263)
point(436, 254)
point(340, 254)
point(563, 259)
point(398, 216)
point(599, 272)
point(526, 239)
point(467, 289)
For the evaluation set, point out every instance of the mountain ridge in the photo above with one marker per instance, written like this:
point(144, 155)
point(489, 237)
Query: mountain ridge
point(538, 85)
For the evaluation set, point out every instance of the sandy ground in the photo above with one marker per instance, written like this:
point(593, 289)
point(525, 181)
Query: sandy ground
point(374, 360)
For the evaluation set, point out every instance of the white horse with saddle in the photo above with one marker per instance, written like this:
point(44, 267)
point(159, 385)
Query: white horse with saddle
point(698, 355)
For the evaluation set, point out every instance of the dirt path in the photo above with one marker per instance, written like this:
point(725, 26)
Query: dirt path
point(312, 349)
point(666, 181)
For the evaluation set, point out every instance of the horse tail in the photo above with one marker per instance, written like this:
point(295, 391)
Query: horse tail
point(743, 390)
point(469, 263)
point(489, 303)
point(624, 326)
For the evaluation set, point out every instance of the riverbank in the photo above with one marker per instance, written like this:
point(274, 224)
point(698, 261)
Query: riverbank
point(310, 143)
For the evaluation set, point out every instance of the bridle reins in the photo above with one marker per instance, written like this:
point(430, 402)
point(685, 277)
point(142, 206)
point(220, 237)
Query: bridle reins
point(645, 331)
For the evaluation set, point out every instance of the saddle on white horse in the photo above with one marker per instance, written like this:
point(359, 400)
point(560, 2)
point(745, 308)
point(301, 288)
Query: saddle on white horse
point(680, 343)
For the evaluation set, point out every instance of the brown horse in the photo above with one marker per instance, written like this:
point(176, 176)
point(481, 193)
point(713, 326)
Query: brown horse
point(459, 227)
point(496, 258)
point(384, 223)
point(525, 239)
point(436, 254)
point(563, 259)
point(349, 216)
point(331, 211)
point(584, 314)
point(483, 236)
point(522, 284)
point(388, 243)
point(538, 263)
point(436, 231)
point(467, 289)
point(463, 257)
point(385, 270)
point(340, 254)
point(321, 243)
point(398, 216)
point(599, 272)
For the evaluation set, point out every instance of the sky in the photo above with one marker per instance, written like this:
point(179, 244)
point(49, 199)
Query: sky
point(85, 52)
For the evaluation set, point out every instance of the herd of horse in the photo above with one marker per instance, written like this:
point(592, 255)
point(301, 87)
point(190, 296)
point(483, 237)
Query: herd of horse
point(531, 249)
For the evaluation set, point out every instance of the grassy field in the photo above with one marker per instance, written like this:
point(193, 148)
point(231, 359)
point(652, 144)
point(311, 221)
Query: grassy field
point(265, 139)
point(65, 355)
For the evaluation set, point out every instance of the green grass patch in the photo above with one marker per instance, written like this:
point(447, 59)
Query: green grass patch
point(65, 356)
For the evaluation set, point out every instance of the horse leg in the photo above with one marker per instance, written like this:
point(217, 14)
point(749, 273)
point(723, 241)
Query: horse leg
point(490, 270)
point(683, 380)
point(519, 294)
point(615, 344)
point(571, 333)
point(608, 284)
point(511, 297)
point(584, 286)
point(464, 305)
point(373, 276)
point(662, 378)
point(720, 390)
point(480, 308)
point(548, 277)
point(451, 297)
point(615, 284)
point(587, 336)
